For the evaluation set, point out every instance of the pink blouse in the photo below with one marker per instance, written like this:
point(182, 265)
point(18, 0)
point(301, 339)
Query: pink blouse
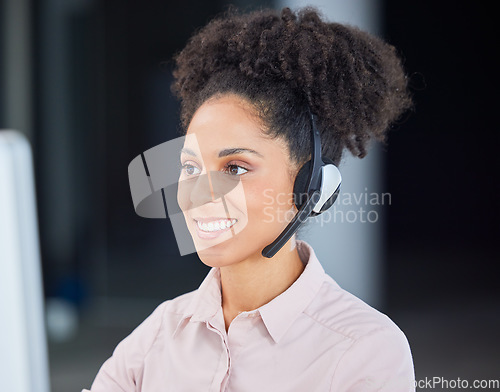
point(313, 337)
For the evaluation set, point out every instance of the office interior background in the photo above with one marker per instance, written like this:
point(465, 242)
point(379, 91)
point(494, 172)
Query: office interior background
point(88, 83)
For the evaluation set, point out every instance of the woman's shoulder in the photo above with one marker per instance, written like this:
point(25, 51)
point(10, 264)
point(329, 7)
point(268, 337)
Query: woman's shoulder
point(146, 334)
point(165, 313)
point(177, 305)
point(344, 313)
point(375, 351)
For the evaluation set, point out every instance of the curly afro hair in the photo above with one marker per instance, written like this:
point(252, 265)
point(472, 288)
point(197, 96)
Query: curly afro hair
point(288, 65)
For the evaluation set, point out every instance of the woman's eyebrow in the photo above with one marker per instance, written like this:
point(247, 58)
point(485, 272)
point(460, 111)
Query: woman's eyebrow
point(188, 151)
point(238, 150)
point(225, 152)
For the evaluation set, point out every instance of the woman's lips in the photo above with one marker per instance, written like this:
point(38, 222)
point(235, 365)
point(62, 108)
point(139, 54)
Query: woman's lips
point(209, 228)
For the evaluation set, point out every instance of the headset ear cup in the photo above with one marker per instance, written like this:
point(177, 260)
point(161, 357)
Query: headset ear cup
point(300, 185)
point(329, 202)
point(333, 197)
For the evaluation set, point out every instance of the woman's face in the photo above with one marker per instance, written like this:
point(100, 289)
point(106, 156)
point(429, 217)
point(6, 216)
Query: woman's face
point(236, 184)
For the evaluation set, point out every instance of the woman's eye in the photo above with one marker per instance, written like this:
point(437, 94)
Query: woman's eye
point(235, 170)
point(190, 170)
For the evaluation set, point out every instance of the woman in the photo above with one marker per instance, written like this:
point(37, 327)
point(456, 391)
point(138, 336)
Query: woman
point(248, 85)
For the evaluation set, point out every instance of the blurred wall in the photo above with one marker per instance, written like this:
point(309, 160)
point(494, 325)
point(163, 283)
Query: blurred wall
point(442, 165)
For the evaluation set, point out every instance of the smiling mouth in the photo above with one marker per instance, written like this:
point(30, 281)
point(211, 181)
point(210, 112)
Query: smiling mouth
point(214, 225)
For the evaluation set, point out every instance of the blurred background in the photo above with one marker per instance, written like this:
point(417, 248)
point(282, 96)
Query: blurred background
point(88, 83)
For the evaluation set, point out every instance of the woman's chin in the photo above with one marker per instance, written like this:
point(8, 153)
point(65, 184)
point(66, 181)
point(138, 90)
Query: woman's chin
point(216, 258)
point(223, 254)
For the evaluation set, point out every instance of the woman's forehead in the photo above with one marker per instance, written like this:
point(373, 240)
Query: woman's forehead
point(227, 113)
point(231, 122)
point(226, 121)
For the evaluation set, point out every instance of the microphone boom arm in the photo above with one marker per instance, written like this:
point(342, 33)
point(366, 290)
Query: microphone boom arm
point(301, 216)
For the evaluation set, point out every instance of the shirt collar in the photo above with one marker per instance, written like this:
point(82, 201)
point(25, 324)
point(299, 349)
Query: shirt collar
point(278, 314)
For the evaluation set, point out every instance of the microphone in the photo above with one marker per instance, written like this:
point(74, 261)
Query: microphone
point(301, 216)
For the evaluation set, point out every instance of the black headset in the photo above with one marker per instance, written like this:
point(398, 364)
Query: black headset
point(315, 189)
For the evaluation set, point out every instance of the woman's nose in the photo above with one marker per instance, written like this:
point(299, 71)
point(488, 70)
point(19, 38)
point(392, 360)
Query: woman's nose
point(205, 188)
point(202, 191)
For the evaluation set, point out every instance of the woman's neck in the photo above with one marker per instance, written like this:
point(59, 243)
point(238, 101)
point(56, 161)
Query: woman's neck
point(254, 282)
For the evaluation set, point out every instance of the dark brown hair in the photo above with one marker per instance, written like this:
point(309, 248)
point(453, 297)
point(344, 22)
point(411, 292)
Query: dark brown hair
point(287, 64)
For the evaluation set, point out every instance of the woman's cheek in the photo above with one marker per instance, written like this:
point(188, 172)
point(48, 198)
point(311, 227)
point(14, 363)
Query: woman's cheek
point(271, 206)
point(268, 214)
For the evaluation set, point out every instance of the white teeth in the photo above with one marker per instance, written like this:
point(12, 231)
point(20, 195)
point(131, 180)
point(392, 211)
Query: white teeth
point(216, 225)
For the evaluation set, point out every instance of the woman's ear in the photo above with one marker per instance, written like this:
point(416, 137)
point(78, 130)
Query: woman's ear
point(300, 185)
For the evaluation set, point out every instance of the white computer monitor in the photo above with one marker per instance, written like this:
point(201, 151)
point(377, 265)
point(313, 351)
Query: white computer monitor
point(23, 344)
